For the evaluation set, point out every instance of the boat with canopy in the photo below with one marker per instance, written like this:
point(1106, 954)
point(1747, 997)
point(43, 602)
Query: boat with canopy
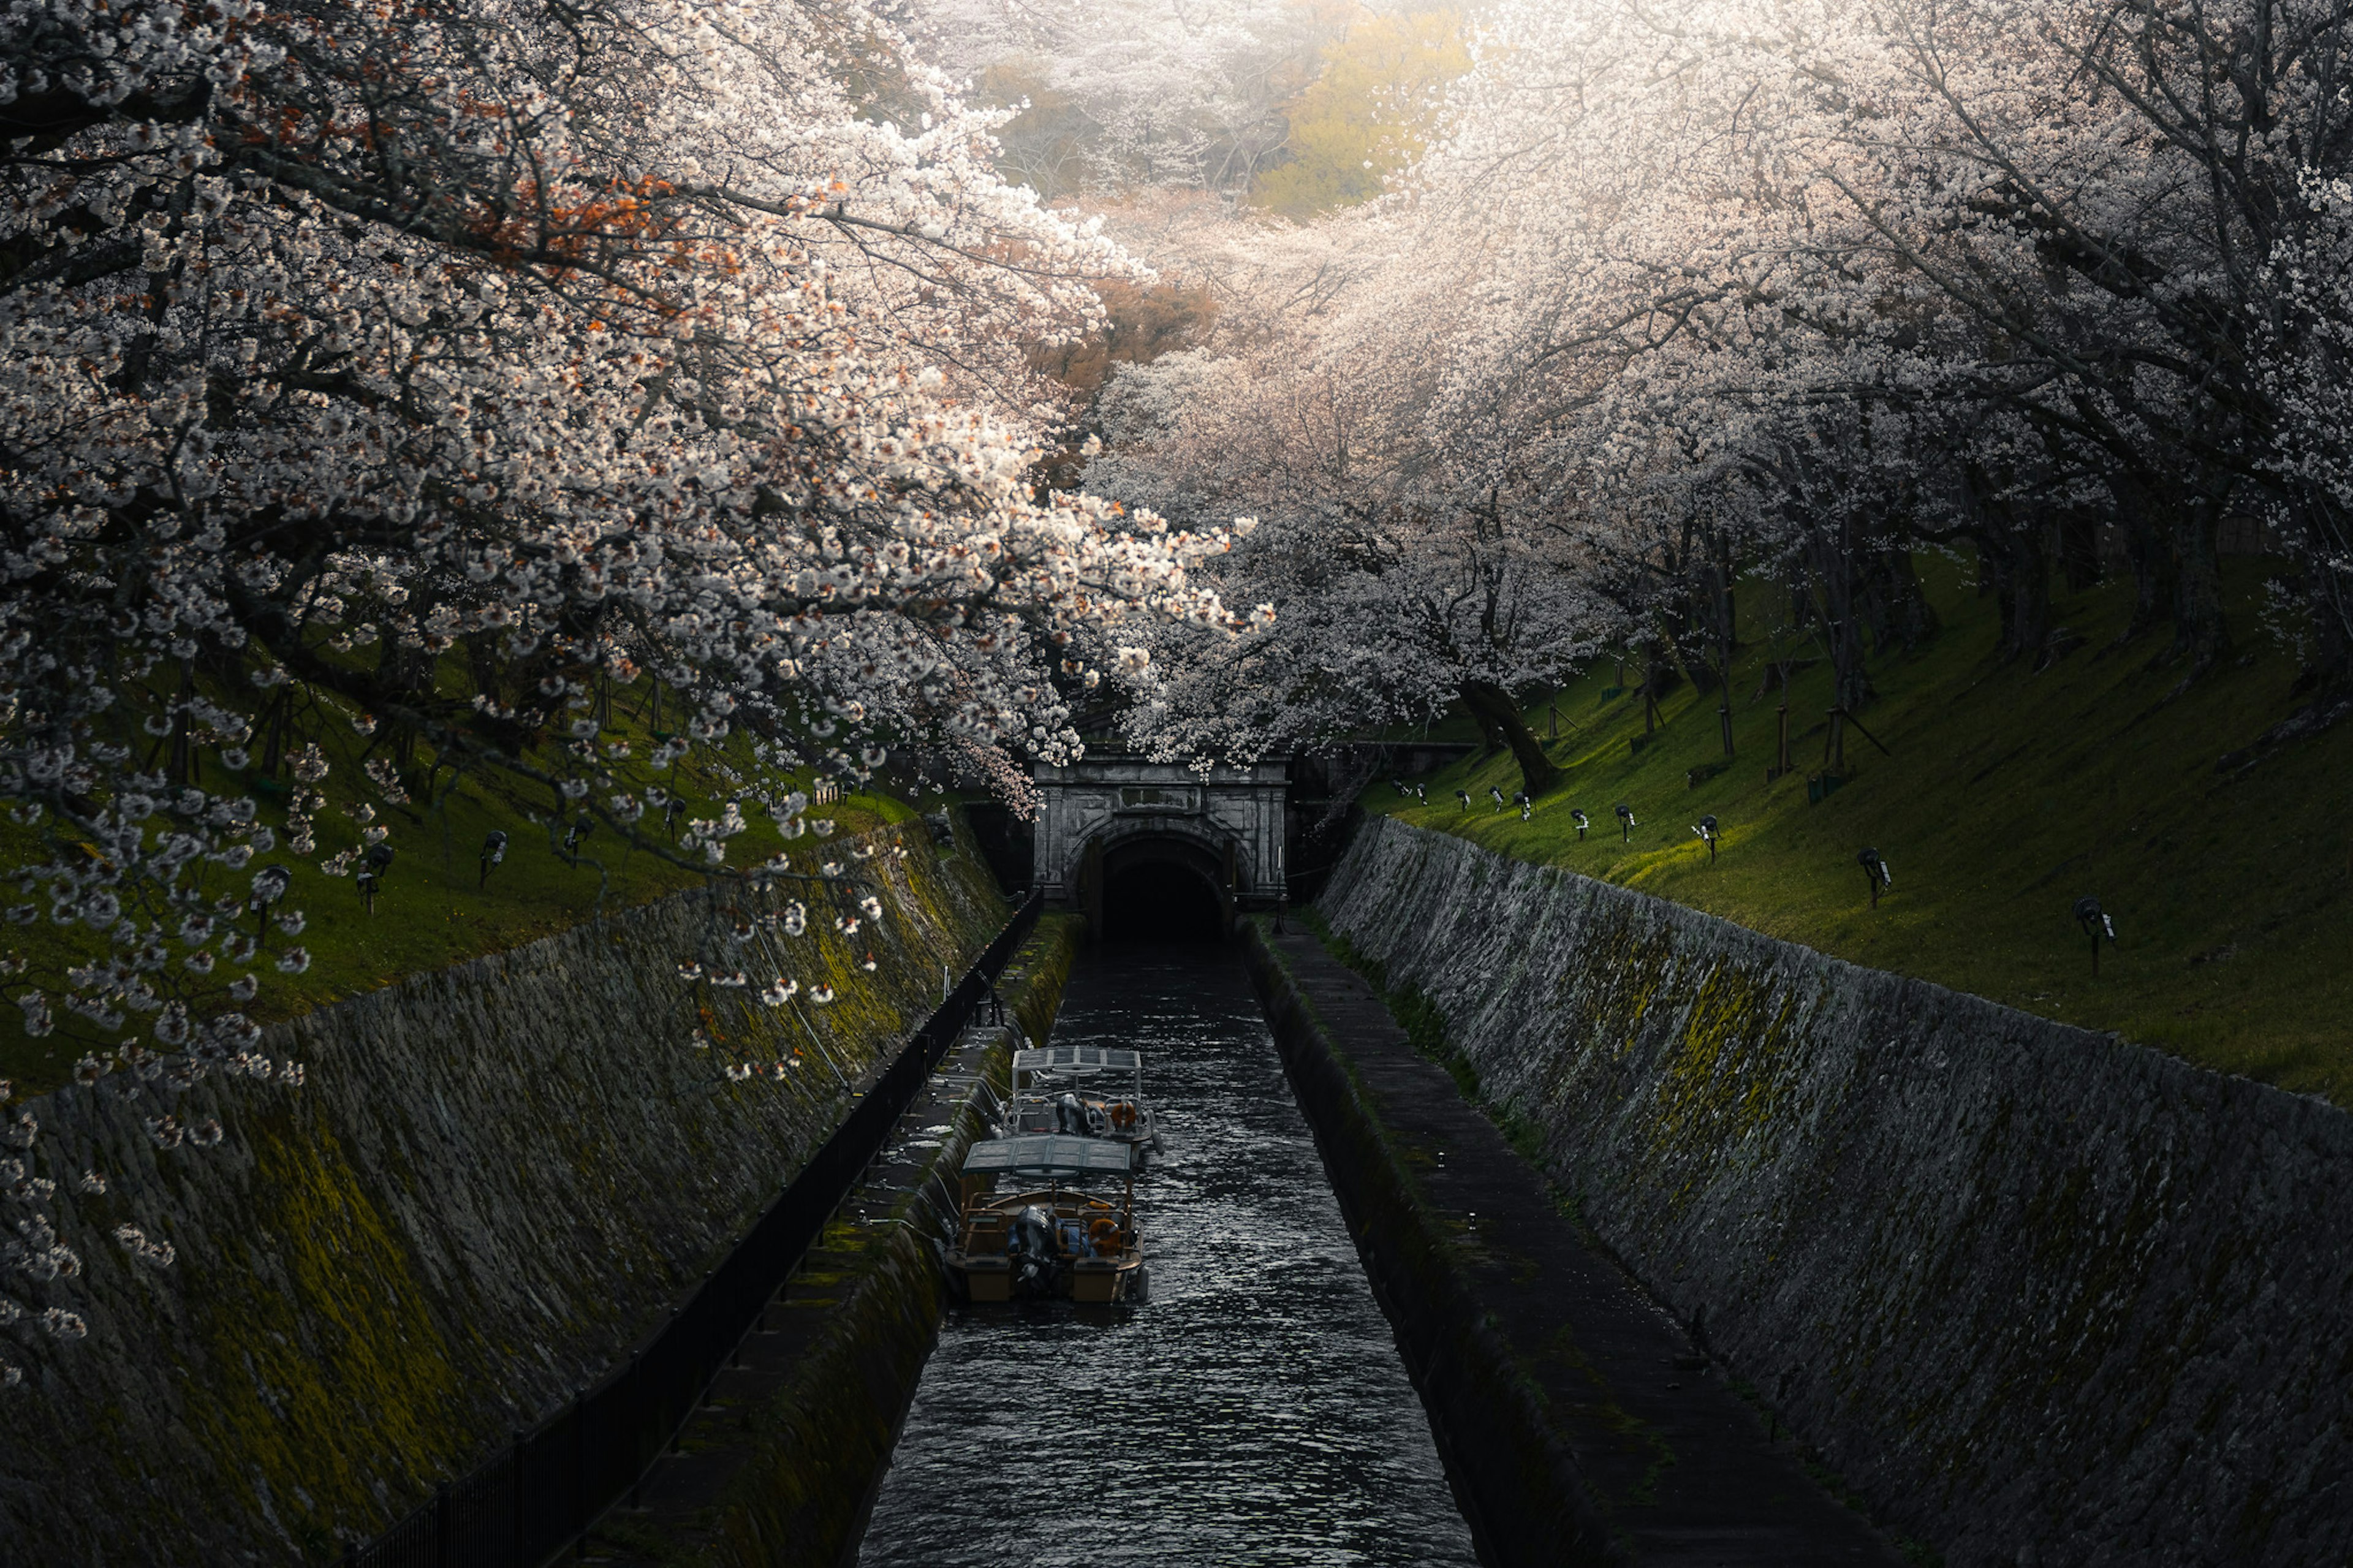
point(1052, 1240)
point(1090, 1092)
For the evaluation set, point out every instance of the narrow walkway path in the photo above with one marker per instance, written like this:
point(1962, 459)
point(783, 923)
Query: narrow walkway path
point(1682, 1467)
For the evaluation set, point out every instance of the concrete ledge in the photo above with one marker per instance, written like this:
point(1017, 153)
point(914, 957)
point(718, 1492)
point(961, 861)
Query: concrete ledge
point(1578, 1424)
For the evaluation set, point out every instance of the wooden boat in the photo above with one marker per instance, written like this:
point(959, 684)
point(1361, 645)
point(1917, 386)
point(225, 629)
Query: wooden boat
point(1090, 1092)
point(1018, 1238)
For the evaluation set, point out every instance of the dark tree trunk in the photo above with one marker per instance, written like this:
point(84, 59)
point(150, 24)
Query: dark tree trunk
point(2028, 613)
point(2146, 549)
point(1493, 706)
point(482, 664)
point(2079, 548)
point(1896, 605)
point(2011, 553)
point(2200, 636)
point(1659, 677)
point(2327, 540)
point(1835, 573)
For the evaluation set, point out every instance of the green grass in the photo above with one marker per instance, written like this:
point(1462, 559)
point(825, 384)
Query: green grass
point(2009, 795)
point(430, 912)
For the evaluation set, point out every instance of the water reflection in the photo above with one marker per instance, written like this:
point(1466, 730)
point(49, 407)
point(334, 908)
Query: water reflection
point(1253, 1412)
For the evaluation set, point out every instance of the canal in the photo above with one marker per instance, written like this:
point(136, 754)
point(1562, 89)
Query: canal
point(1254, 1411)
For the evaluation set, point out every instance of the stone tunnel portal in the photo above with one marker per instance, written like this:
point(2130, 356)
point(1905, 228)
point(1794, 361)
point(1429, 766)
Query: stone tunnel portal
point(1143, 847)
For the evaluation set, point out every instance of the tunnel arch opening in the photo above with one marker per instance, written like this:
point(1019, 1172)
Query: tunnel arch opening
point(1162, 889)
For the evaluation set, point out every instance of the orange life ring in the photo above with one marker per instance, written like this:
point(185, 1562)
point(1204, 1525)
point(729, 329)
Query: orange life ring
point(1123, 1116)
point(1104, 1234)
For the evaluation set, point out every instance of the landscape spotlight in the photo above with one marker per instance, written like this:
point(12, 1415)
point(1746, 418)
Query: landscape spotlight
point(270, 885)
point(1874, 867)
point(1464, 797)
point(2096, 925)
point(1497, 791)
point(373, 866)
point(494, 850)
point(577, 834)
point(1579, 821)
point(1625, 820)
point(1705, 828)
point(1422, 794)
point(1520, 798)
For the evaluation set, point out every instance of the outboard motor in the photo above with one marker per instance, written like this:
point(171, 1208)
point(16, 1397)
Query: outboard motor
point(1070, 1117)
point(1029, 1241)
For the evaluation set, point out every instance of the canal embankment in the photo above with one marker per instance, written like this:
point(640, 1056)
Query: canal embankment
point(2037, 1295)
point(493, 1181)
point(1580, 1424)
point(778, 1466)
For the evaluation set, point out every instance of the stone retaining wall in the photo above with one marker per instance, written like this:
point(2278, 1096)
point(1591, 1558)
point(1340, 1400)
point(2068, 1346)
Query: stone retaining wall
point(496, 1178)
point(2043, 1296)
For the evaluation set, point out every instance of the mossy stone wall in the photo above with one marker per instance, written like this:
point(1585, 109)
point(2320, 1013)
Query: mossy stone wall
point(496, 1179)
point(2041, 1296)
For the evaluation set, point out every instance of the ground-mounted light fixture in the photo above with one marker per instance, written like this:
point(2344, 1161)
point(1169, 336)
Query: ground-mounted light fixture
point(370, 879)
point(1874, 867)
point(494, 850)
point(2096, 925)
point(1707, 829)
point(270, 885)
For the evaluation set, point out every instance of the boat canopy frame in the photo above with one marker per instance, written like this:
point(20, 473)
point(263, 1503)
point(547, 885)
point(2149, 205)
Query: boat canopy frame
point(1049, 1154)
point(1074, 1065)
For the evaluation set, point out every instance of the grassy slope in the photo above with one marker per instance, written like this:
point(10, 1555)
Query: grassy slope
point(430, 912)
point(2009, 795)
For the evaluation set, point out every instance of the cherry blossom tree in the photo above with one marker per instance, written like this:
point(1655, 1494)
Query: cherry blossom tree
point(433, 372)
point(1796, 289)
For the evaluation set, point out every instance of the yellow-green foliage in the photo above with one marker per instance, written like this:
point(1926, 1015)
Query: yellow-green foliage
point(435, 908)
point(2008, 794)
point(1368, 113)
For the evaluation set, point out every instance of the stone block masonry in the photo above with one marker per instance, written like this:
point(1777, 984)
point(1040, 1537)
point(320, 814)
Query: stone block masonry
point(495, 1180)
point(779, 1467)
point(2040, 1295)
point(1581, 1427)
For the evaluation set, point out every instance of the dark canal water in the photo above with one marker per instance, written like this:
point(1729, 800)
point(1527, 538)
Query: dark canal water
point(1253, 1412)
